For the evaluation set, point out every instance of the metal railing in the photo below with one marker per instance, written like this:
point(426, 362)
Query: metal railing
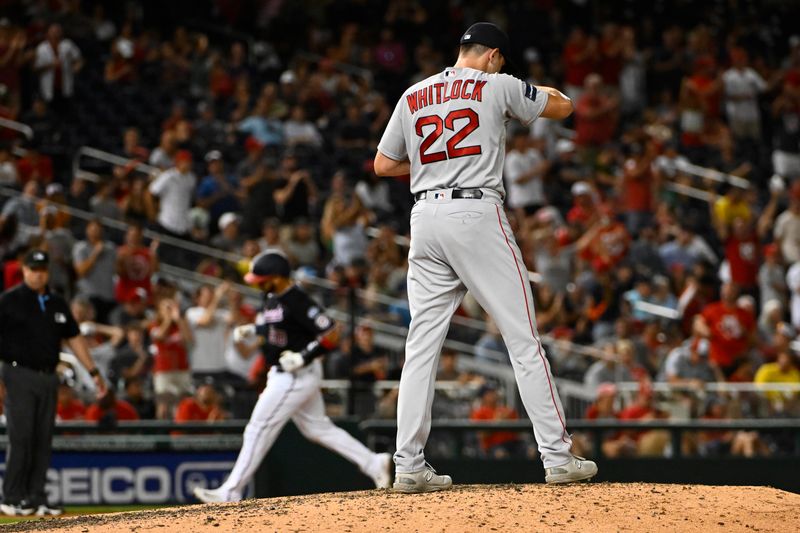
point(164, 434)
point(347, 68)
point(597, 428)
point(108, 157)
point(692, 192)
point(122, 226)
point(389, 335)
point(711, 174)
point(24, 129)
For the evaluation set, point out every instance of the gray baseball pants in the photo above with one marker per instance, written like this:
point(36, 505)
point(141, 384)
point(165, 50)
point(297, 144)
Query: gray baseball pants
point(459, 245)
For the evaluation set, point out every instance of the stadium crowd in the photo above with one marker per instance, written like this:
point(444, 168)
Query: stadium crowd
point(265, 139)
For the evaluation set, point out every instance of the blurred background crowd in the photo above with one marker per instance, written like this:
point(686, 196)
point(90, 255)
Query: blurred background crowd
point(661, 222)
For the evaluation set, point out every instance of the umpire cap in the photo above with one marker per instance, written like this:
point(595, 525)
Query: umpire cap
point(268, 263)
point(36, 259)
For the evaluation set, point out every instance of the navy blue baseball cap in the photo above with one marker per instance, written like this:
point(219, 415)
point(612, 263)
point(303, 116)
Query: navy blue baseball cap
point(490, 35)
point(487, 34)
point(267, 264)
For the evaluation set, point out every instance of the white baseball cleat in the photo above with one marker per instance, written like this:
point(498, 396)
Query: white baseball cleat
point(425, 480)
point(383, 477)
point(16, 509)
point(578, 469)
point(214, 495)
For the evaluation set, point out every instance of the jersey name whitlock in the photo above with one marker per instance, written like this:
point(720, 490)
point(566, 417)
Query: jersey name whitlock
point(439, 93)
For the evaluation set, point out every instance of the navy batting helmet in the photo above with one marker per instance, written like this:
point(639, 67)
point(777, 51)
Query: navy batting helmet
point(266, 264)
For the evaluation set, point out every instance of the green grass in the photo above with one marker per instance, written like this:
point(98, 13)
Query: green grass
point(76, 510)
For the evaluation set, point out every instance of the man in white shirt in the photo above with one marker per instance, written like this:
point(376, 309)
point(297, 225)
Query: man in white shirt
point(787, 227)
point(742, 85)
point(523, 171)
point(175, 190)
point(793, 282)
point(57, 60)
point(210, 326)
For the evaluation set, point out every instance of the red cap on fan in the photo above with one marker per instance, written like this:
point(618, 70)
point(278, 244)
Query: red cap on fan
point(792, 78)
point(771, 250)
point(562, 236)
point(251, 144)
point(794, 190)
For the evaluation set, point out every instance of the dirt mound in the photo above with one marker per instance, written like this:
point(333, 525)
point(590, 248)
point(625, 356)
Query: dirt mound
point(595, 507)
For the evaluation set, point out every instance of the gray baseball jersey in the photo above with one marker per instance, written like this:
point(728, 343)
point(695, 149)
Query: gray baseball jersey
point(450, 122)
point(451, 127)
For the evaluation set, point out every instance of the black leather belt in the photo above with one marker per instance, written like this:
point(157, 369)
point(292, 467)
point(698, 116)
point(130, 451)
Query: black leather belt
point(40, 370)
point(464, 194)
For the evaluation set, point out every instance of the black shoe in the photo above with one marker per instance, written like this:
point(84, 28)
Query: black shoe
point(49, 510)
point(22, 508)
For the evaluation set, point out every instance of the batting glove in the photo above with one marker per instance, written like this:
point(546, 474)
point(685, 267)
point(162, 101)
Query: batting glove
point(291, 361)
point(241, 333)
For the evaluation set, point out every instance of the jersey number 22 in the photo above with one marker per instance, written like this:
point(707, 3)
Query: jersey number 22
point(453, 150)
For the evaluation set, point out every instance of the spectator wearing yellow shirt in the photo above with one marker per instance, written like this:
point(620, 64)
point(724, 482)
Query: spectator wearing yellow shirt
point(783, 370)
point(250, 249)
point(730, 204)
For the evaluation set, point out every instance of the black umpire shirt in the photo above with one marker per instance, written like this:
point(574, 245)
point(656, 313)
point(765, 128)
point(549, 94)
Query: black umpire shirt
point(290, 321)
point(32, 327)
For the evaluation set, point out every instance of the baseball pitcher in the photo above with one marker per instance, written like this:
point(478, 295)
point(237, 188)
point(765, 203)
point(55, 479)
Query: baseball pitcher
point(448, 132)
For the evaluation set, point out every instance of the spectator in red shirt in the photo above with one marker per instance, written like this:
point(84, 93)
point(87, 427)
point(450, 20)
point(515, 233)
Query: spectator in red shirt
point(35, 166)
point(12, 267)
point(611, 49)
point(729, 328)
point(648, 443)
point(108, 410)
point(584, 207)
point(120, 67)
point(596, 114)
point(743, 252)
point(636, 187)
point(605, 244)
point(171, 338)
point(13, 56)
point(580, 60)
point(136, 263)
point(495, 444)
point(203, 406)
point(603, 407)
point(68, 406)
point(699, 102)
point(707, 85)
point(131, 146)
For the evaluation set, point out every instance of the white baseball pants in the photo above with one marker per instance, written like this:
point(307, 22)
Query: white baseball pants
point(297, 397)
point(459, 245)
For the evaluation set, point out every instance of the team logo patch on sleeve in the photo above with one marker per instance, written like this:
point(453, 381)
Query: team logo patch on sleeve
point(529, 90)
point(313, 311)
point(322, 322)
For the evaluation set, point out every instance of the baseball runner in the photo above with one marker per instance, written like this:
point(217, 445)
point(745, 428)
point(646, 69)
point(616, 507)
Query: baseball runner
point(296, 333)
point(448, 132)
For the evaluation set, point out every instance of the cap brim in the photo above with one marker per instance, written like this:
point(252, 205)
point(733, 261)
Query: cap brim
point(510, 66)
point(36, 265)
point(255, 279)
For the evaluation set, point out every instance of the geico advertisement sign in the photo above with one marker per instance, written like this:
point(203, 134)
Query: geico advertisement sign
point(78, 485)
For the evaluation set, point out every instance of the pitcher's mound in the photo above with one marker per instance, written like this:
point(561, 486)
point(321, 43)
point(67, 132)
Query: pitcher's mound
point(592, 507)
